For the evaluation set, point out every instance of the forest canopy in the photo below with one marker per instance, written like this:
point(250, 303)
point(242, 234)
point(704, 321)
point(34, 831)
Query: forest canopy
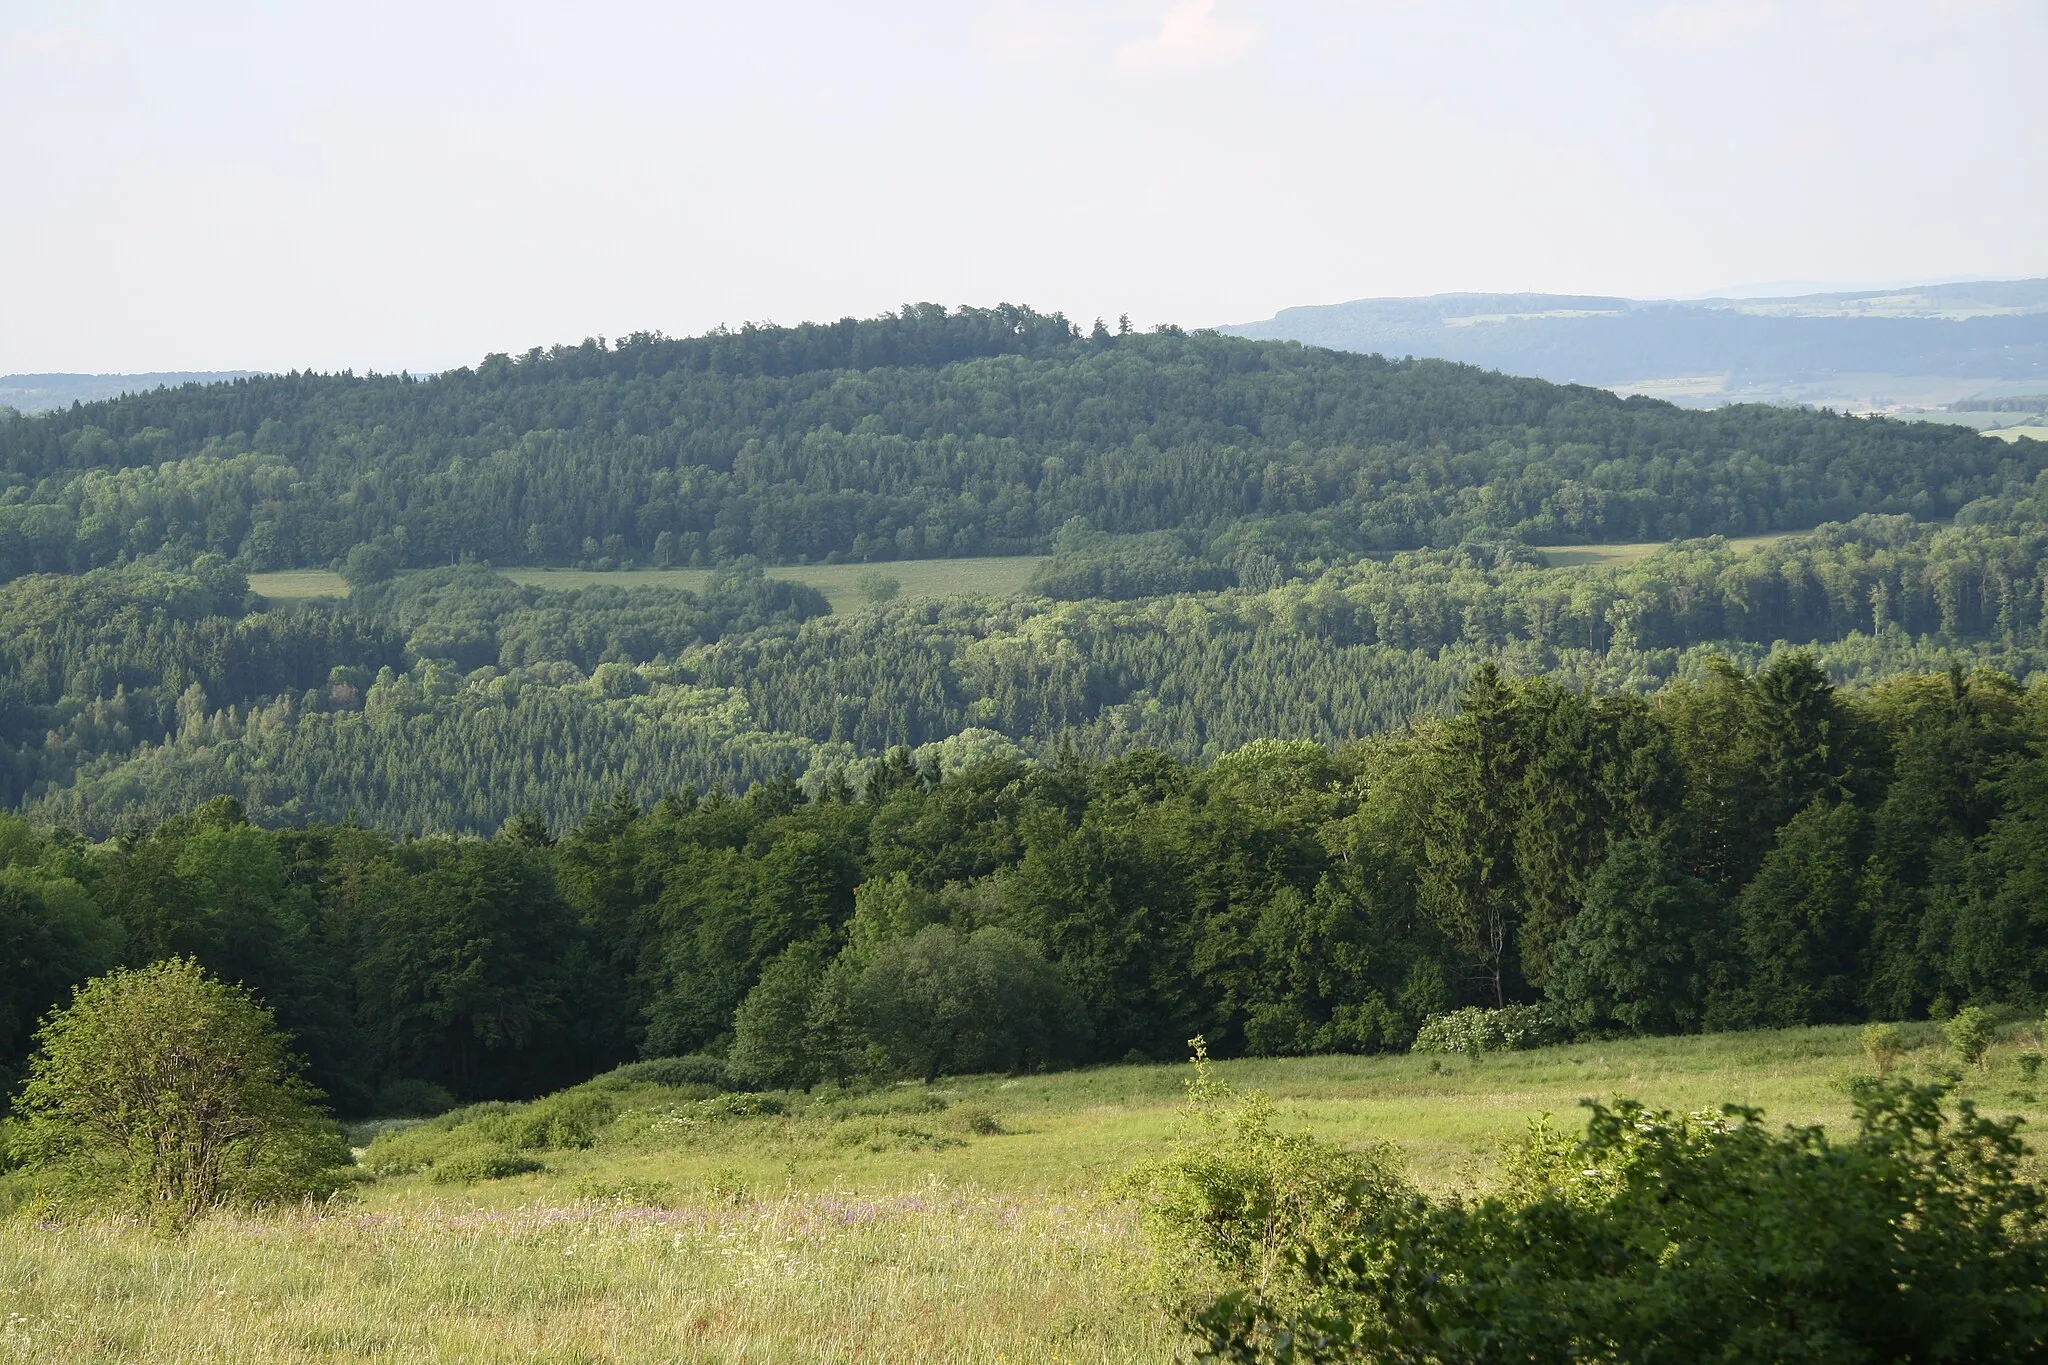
point(1738, 850)
point(933, 433)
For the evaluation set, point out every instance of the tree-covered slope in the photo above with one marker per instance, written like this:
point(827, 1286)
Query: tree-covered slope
point(932, 433)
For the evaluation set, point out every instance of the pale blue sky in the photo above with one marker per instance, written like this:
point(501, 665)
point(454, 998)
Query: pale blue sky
point(209, 184)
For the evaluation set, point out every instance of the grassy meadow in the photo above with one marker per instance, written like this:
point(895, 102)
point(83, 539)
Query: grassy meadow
point(966, 1221)
point(991, 576)
point(1567, 556)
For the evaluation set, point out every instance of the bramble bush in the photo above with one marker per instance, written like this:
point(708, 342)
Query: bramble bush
point(1666, 1238)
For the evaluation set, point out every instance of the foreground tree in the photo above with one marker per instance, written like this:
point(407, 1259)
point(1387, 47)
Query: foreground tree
point(169, 1092)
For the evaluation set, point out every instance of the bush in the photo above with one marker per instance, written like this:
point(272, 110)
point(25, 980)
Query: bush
point(698, 1069)
point(1238, 1200)
point(1472, 1030)
point(169, 1092)
point(482, 1163)
point(561, 1122)
point(1884, 1045)
point(1970, 1034)
point(409, 1098)
point(1661, 1238)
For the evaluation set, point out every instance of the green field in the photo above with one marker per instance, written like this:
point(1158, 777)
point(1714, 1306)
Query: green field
point(1566, 556)
point(2035, 432)
point(298, 585)
point(993, 576)
point(889, 1226)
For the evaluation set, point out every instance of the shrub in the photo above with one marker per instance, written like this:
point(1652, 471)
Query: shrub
point(1884, 1045)
point(1239, 1199)
point(693, 1070)
point(170, 1092)
point(1970, 1033)
point(482, 1163)
point(1661, 1238)
point(1473, 1030)
point(561, 1122)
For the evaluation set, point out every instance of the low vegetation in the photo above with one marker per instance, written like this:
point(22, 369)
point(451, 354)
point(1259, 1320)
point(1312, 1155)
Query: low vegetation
point(651, 1214)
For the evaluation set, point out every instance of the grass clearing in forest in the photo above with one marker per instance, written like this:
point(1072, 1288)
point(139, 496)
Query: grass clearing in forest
point(965, 1221)
point(989, 576)
point(298, 585)
point(1607, 556)
point(2033, 432)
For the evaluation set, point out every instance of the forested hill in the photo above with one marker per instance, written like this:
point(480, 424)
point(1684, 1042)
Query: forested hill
point(932, 433)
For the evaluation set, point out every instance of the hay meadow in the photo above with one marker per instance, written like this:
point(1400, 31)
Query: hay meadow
point(971, 1220)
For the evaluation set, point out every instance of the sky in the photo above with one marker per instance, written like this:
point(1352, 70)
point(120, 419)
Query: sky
point(217, 185)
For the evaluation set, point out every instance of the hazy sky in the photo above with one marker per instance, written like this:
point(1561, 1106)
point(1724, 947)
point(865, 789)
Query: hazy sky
point(384, 185)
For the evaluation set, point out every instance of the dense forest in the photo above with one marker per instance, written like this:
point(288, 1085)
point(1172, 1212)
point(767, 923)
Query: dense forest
point(1296, 740)
point(934, 433)
point(449, 700)
point(1735, 850)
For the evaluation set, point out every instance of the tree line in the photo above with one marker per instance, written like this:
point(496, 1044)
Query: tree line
point(1739, 849)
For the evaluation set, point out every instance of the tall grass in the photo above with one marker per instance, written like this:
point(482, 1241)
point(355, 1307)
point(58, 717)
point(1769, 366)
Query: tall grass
point(960, 1222)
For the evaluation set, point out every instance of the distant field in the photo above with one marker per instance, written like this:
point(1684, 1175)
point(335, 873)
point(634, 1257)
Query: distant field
point(993, 576)
point(298, 585)
point(1559, 557)
point(2035, 432)
point(964, 1222)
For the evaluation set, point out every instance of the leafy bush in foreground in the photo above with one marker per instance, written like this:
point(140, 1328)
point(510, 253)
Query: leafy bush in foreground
point(170, 1092)
point(1667, 1238)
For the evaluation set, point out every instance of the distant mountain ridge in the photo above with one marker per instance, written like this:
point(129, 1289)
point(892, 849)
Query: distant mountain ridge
point(42, 392)
point(1918, 347)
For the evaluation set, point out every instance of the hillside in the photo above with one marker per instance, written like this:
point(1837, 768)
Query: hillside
point(1888, 349)
point(1246, 540)
point(930, 434)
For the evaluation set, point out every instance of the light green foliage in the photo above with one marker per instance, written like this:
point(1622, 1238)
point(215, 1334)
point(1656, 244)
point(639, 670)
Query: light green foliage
point(1472, 1030)
point(492, 1140)
point(1883, 1044)
point(955, 1246)
point(1666, 1238)
point(1237, 1198)
point(165, 1091)
point(774, 1043)
point(1970, 1033)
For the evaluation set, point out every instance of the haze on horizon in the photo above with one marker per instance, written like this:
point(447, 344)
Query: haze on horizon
point(244, 186)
